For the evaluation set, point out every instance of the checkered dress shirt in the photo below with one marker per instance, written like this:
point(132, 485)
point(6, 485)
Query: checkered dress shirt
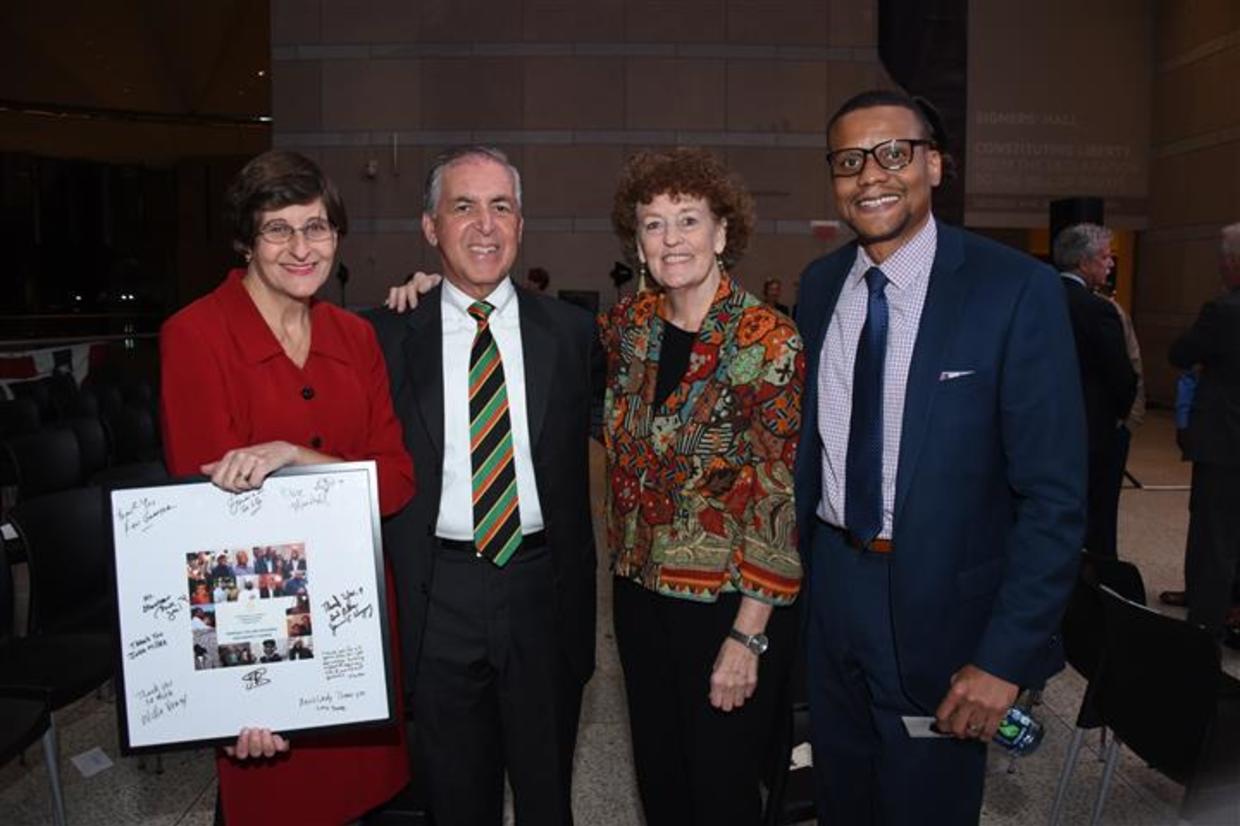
point(908, 276)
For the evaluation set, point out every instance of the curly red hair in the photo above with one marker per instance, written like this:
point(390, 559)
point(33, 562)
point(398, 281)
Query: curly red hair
point(683, 171)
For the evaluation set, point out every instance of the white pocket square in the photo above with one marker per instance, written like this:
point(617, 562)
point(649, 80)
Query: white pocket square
point(948, 375)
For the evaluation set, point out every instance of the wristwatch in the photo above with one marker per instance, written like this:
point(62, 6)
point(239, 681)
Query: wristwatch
point(757, 643)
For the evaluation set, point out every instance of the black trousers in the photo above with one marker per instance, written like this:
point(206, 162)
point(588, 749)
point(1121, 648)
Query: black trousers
point(1212, 559)
point(696, 765)
point(1106, 478)
point(492, 692)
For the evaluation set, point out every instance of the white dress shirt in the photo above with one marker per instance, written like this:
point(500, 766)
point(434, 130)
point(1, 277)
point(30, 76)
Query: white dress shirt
point(456, 509)
point(908, 277)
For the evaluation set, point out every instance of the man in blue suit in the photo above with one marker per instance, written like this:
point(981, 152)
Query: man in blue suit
point(940, 481)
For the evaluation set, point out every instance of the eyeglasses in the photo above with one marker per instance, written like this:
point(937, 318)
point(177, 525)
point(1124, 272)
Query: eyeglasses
point(892, 155)
point(316, 229)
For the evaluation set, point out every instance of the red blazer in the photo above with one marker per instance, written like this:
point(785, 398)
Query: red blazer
point(226, 383)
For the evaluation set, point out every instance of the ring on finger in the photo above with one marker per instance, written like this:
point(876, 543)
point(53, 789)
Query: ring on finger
point(974, 728)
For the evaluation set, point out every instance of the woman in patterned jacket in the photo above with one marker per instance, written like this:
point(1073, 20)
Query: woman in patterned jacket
point(702, 414)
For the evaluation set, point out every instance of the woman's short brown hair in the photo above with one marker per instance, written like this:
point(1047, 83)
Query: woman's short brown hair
point(274, 180)
point(683, 171)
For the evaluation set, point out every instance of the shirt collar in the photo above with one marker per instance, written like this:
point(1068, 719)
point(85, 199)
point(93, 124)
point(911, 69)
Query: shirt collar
point(1071, 276)
point(502, 298)
point(256, 340)
point(910, 262)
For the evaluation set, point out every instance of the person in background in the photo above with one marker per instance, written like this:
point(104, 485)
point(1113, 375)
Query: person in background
point(1082, 252)
point(259, 375)
point(1212, 347)
point(772, 290)
point(700, 428)
point(538, 279)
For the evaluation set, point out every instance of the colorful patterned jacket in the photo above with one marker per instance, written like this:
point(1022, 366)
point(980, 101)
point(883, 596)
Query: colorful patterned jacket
point(699, 490)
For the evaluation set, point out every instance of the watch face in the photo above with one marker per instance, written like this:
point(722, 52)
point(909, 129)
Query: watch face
point(758, 643)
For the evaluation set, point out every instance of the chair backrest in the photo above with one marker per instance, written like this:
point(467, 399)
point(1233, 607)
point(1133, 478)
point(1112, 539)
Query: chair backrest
point(1122, 577)
point(1082, 627)
point(8, 601)
point(63, 392)
point(92, 443)
point(1158, 685)
point(65, 537)
point(38, 391)
point(45, 461)
point(133, 434)
point(129, 474)
point(19, 415)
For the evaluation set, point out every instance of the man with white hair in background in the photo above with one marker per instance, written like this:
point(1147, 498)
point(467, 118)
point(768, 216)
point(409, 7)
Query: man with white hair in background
point(1082, 253)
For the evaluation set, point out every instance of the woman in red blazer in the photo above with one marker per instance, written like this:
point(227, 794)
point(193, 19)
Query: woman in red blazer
point(259, 375)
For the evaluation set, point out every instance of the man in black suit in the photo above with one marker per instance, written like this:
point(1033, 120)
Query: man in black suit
point(497, 649)
point(1212, 345)
point(1082, 252)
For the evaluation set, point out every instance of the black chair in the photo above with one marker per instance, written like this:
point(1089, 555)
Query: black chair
point(132, 431)
point(92, 443)
point(18, 416)
point(85, 403)
point(63, 394)
point(130, 474)
point(64, 535)
point(53, 669)
point(23, 720)
point(1083, 643)
point(38, 391)
point(790, 792)
point(45, 461)
point(1163, 694)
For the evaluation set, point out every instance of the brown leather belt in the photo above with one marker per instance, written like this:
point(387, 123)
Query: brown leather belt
point(875, 546)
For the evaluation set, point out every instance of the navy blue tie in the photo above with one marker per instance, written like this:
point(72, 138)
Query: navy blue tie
point(863, 479)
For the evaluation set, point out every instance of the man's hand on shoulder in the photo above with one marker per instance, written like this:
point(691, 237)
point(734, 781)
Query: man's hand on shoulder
point(975, 704)
point(405, 297)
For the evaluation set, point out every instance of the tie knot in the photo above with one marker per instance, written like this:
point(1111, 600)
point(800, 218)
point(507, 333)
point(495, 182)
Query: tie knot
point(875, 280)
point(481, 310)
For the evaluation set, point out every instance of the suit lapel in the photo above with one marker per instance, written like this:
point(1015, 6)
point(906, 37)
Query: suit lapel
point(539, 353)
point(945, 297)
point(815, 317)
point(424, 364)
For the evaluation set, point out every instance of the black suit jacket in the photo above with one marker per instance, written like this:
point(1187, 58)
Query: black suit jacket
point(1107, 379)
point(563, 388)
point(1214, 343)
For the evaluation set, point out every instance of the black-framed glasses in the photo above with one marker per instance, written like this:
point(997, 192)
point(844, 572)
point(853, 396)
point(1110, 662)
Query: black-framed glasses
point(892, 155)
point(316, 229)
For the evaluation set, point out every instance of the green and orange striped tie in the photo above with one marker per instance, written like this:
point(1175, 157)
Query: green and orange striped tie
point(497, 520)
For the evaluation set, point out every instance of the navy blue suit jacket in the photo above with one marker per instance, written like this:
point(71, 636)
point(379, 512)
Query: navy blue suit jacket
point(990, 490)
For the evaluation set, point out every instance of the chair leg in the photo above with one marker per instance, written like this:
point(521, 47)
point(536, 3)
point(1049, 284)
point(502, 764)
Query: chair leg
point(51, 755)
point(1065, 776)
point(1108, 773)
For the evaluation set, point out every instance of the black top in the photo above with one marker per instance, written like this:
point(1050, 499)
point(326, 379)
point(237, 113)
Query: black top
point(673, 361)
point(1214, 343)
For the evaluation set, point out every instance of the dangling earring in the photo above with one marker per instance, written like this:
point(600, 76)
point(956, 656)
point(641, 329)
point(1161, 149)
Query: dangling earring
point(248, 255)
point(719, 264)
point(643, 273)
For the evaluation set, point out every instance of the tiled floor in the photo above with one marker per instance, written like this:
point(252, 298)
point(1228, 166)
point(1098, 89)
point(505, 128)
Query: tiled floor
point(1152, 527)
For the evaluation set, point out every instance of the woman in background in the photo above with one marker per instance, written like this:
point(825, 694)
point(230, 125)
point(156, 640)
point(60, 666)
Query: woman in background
point(259, 375)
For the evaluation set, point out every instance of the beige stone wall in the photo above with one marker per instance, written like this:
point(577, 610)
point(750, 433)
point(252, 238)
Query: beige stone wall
point(568, 88)
point(1194, 172)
